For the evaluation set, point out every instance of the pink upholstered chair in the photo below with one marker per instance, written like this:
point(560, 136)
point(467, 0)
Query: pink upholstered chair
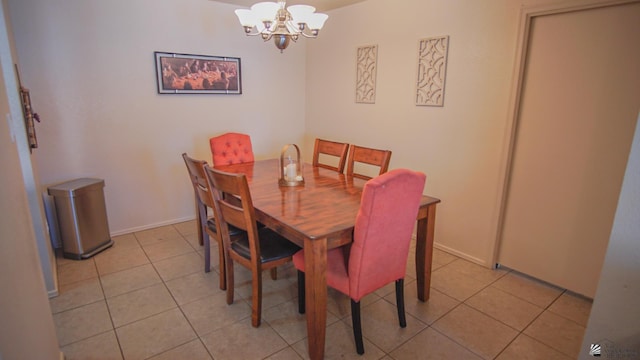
point(378, 254)
point(231, 148)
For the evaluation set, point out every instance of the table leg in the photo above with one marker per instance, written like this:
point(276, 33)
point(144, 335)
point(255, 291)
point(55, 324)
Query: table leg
point(424, 250)
point(315, 264)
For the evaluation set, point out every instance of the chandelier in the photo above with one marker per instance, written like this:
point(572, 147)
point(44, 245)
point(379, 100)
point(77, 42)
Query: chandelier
point(271, 20)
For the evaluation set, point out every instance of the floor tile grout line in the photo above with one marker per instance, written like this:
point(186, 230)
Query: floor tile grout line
point(520, 332)
point(109, 310)
point(459, 302)
point(538, 316)
point(185, 238)
point(548, 308)
point(283, 339)
point(113, 325)
point(188, 321)
point(426, 326)
point(177, 305)
point(515, 273)
point(502, 322)
point(454, 340)
point(463, 302)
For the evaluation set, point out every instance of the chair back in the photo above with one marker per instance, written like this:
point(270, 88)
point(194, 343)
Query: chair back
point(331, 148)
point(231, 148)
point(368, 156)
point(199, 180)
point(383, 229)
point(233, 206)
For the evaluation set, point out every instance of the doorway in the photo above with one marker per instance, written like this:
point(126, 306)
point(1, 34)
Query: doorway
point(578, 102)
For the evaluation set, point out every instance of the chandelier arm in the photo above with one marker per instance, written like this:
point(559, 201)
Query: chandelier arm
point(253, 33)
point(311, 36)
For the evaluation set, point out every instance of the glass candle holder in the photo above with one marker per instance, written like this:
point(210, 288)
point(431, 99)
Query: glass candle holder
point(290, 166)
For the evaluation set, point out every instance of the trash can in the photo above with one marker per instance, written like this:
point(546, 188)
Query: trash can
point(82, 217)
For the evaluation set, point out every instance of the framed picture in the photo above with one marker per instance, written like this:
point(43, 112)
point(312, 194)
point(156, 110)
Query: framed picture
point(197, 74)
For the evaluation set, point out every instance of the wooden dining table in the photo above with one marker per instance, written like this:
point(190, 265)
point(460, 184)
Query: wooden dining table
point(319, 215)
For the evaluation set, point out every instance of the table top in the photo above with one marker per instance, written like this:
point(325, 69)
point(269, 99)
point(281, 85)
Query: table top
point(325, 206)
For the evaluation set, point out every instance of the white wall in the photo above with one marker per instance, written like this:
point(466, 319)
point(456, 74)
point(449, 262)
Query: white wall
point(615, 318)
point(90, 67)
point(27, 330)
point(29, 171)
point(461, 146)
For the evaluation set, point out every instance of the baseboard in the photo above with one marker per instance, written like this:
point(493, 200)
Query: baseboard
point(53, 293)
point(151, 226)
point(462, 255)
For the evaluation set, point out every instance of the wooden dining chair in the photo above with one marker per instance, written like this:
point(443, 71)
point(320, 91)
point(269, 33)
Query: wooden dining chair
point(231, 148)
point(207, 225)
point(258, 249)
point(333, 150)
point(381, 238)
point(368, 157)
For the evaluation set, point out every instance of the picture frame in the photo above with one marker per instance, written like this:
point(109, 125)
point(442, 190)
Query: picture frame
point(197, 74)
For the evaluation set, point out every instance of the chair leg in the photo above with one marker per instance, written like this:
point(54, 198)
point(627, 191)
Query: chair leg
point(230, 281)
point(207, 252)
point(301, 293)
point(357, 326)
point(199, 221)
point(400, 302)
point(202, 216)
point(274, 273)
point(256, 311)
point(222, 266)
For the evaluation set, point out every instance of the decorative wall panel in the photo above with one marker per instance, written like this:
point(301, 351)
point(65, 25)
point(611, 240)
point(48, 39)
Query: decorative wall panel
point(367, 59)
point(432, 71)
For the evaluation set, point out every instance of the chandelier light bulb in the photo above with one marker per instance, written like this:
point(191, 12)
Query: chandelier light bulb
point(265, 11)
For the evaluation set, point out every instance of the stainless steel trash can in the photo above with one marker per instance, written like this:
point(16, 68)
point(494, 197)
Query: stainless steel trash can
point(82, 217)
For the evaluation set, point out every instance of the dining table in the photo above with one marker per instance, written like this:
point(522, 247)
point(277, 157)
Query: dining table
point(317, 215)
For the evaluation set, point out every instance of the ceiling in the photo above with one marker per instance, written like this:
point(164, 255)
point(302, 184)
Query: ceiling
point(320, 5)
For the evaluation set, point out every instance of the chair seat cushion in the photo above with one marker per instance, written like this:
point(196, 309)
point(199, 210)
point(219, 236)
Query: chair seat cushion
point(233, 231)
point(272, 246)
point(337, 275)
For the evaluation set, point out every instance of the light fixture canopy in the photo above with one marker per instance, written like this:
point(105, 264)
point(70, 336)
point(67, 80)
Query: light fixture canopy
point(272, 20)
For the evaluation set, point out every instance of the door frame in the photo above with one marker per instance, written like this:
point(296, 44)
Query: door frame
point(527, 15)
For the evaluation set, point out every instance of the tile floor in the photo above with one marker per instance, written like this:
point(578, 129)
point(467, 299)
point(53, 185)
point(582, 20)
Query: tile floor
point(148, 297)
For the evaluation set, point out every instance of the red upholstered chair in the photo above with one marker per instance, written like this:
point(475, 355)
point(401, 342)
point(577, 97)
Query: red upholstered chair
point(231, 148)
point(378, 254)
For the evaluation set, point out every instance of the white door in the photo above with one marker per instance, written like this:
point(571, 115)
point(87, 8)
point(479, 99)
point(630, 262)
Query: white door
point(578, 109)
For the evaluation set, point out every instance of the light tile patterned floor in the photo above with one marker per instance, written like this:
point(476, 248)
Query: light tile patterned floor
point(148, 297)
